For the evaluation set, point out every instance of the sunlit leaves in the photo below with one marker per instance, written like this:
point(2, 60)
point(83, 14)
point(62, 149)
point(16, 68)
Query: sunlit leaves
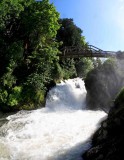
point(28, 49)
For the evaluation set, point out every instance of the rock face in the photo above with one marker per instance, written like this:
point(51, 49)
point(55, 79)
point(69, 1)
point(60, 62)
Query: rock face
point(103, 84)
point(108, 141)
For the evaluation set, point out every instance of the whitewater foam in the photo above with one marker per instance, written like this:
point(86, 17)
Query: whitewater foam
point(59, 131)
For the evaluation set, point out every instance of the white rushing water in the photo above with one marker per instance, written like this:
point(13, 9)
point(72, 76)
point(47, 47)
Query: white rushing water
point(60, 131)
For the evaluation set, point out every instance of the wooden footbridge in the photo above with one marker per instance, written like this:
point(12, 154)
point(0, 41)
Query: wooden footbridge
point(89, 51)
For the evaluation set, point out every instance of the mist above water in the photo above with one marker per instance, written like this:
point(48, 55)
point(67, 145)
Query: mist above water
point(59, 131)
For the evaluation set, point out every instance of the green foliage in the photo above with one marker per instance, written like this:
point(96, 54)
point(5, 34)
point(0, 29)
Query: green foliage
point(70, 34)
point(10, 98)
point(32, 97)
point(110, 62)
point(96, 62)
point(15, 52)
point(28, 49)
point(15, 97)
point(68, 67)
point(57, 73)
point(3, 96)
point(30, 38)
point(83, 66)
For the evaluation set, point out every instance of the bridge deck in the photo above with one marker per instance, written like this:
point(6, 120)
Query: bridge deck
point(90, 51)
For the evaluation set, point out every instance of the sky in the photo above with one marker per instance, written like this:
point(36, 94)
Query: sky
point(102, 21)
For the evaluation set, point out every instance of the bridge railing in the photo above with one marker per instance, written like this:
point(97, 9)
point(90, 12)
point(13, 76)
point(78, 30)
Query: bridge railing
point(89, 51)
point(73, 49)
point(102, 51)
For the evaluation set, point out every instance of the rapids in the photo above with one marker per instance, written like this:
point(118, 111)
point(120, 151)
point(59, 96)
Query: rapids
point(60, 131)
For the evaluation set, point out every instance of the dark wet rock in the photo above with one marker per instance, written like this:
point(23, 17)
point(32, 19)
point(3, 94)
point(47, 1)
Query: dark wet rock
point(103, 83)
point(108, 140)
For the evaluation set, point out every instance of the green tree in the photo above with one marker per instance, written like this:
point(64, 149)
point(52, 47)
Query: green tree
point(70, 34)
point(83, 66)
point(28, 49)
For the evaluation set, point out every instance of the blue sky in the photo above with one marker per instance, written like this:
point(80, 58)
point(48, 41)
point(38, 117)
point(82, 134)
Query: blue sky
point(102, 21)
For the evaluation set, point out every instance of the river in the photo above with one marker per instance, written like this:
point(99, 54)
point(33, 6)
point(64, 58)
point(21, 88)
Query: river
point(60, 131)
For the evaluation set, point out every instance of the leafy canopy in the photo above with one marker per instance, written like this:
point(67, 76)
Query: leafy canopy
point(28, 50)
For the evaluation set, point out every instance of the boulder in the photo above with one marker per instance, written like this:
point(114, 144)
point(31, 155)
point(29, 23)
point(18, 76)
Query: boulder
point(108, 140)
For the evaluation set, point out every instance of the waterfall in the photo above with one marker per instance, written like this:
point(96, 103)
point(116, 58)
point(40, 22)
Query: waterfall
point(60, 131)
point(68, 95)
